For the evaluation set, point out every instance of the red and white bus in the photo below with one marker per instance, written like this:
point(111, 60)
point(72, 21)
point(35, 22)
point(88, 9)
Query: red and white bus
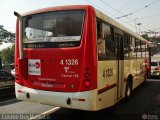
point(77, 57)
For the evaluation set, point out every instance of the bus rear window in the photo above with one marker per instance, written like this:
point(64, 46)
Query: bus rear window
point(56, 29)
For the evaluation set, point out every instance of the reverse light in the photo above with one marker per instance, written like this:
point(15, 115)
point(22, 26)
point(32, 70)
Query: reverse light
point(72, 86)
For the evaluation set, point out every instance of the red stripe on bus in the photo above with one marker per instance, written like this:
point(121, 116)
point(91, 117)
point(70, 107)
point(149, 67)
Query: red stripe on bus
point(107, 88)
point(82, 100)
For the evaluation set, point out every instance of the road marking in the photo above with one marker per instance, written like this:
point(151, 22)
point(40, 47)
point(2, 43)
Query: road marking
point(44, 114)
point(153, 80)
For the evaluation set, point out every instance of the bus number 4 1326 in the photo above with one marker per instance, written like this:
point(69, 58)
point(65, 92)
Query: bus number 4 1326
point(69, 62)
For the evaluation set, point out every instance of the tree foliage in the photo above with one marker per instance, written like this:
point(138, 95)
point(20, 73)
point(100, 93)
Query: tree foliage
point(5, 34)
point(145, 36)
point(7, 55)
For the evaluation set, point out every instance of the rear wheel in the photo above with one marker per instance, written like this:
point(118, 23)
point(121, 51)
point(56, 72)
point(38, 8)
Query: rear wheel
point(128, 91)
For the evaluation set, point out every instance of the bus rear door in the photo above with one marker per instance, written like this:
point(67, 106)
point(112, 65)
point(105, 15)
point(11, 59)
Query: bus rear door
point(120, 64)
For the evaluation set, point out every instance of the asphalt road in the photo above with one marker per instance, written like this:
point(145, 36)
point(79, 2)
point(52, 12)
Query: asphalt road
point(13, 109)
point(7, 93)
point(144, 104)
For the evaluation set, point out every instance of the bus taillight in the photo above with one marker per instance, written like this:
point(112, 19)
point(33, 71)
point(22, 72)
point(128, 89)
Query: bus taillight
point(87, 81)
point(16, 74)
point(158, 68)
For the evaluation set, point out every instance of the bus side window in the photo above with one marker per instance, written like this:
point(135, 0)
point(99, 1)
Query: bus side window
point(101, 41)
point(147, 51)
point(143, 49)
point(101, 48)
point(126, 45)
point(129, 46)
point(106, 43)
point(99, 29)
point(109, 41)
point(134, 47)
point(139, 54)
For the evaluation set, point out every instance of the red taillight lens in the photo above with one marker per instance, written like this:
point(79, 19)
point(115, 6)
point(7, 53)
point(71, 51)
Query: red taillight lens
point(17, 77)
point(16, 73)
point(158, 68)
point(87, 83)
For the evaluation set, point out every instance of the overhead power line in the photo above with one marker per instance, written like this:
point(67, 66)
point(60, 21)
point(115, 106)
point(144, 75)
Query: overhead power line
point(135, 22)
point(151, 16)
point(124, 6)
point(110, 7)
point(103, 10)
point(137, 10)
point(134, 26)
point(124, 16)
point(118, 12)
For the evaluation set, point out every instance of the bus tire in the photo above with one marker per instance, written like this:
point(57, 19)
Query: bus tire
point(128, 91)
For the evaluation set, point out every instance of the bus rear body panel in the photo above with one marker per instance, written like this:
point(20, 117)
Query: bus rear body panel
point(77, 100)
point(58, 69)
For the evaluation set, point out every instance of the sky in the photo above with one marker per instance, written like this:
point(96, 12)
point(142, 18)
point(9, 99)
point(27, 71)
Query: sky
point(127, 12)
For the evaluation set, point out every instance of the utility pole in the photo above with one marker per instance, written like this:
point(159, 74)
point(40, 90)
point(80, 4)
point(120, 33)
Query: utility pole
point(139, 24)
point(136, 24)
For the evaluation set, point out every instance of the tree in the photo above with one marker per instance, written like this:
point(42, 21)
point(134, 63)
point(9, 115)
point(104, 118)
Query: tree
point(7, 55)
point(5, 34)
point(145, 36)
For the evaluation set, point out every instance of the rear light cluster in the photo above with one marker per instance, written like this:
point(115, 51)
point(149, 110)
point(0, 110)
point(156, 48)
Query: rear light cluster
point(158, 68)
point(87, 81)
point(16, 73)
point(17, 77)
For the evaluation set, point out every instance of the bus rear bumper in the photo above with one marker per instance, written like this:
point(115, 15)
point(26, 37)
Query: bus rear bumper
point(78, 100)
